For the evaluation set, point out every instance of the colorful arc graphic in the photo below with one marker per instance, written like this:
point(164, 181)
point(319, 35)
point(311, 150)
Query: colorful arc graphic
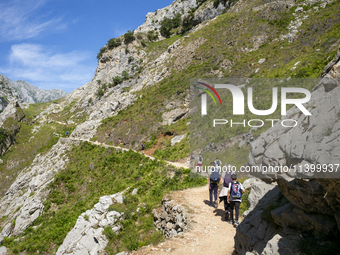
point(207, 91)
point(213, 90)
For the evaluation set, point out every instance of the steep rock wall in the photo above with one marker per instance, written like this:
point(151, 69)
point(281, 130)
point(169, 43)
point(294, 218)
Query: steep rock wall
point(312, 204)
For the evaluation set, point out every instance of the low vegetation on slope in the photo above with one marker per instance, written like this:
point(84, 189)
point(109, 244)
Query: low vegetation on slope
point(92, 172)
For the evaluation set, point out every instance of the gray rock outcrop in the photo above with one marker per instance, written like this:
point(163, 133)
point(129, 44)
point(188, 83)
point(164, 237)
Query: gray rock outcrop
point(7, 93)
point(257, 233)
point(87, 236)
point(14, 113)
point(170, 219)
point(169, 12)
point(302, 201)
point(258, 190)
point(177, 139)
point(174, 115)
point(13, 110)
point(3, 250)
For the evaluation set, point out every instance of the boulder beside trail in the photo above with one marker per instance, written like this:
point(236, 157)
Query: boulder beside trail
point(87, 236)
point(170, 219)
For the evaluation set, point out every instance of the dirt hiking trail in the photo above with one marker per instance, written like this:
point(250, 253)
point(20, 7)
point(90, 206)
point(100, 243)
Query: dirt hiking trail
point(175, 164)
point(207, 231)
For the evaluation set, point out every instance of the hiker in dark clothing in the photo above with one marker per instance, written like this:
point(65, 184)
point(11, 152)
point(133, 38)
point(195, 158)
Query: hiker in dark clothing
point(143, 148)
point(199, 163)
point(234, 198)
point(67, 133)
point(214, 178)
point(192, 161)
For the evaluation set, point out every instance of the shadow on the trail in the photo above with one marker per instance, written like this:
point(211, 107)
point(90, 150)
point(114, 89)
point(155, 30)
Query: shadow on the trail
point(207, 202)
point(219, 212)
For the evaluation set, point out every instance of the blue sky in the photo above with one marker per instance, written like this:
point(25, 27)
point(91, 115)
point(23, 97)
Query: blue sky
point(54, 43)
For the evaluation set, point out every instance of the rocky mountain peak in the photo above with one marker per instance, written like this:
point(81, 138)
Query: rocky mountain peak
point(31, 94)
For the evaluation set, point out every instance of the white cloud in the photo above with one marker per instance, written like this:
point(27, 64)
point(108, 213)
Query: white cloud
point(20, 19)
point(47, 69)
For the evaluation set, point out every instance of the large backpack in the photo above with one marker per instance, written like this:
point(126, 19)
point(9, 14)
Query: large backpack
point(215, 175)
point(227, 179)
point(235, 190)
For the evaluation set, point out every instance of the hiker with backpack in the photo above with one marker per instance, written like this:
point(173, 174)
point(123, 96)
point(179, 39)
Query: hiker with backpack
point(200, 162)
point(218, 163)
point(223, 195)
point(214, 179)
point(234, 198)
point(67, 133)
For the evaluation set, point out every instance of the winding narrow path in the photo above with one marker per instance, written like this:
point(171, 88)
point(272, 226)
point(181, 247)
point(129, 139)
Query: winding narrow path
point(208, 233)
point(175, 164)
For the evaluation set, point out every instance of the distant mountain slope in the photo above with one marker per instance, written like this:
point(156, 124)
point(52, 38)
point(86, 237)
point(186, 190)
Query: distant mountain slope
point(32, 94)
point(7, 93)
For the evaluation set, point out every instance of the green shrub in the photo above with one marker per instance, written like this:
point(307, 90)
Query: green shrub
point(104, 87)
point(168, 24)
point(101, 52)
point(143, 43)
point(129, 37)
point(100, 92)
point(90, 101)
point(139, 37)
point(200, 2)
point(188, 23)
point(117, 80)
point(152, 36)
point(113, 43)
point(125, 75)
point(130, 59)
point(245, 203)
point(3, 136)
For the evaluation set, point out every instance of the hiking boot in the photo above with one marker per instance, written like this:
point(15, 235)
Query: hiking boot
point(236, 224)
point(230, 221)
point(216, 204)
point(211, 205)
point(226, 216)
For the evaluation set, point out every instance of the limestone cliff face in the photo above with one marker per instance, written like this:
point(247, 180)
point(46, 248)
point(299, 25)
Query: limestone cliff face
point(10, 128)
point(26, 92)
point(312, 204)
point(205, 11)
point(7, 93)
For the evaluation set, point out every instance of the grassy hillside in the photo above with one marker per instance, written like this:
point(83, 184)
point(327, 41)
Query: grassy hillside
point(77, 188)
